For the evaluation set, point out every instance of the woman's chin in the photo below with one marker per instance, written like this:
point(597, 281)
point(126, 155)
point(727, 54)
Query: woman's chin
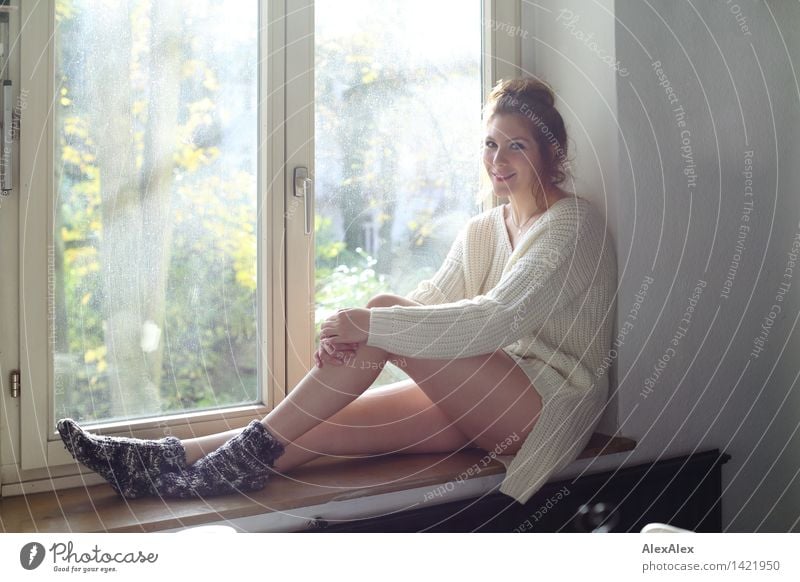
point(506, 192)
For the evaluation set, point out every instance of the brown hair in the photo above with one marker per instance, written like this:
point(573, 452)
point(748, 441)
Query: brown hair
point(533, 100)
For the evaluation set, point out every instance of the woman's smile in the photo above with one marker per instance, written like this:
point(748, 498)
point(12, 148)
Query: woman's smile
point(503, 176)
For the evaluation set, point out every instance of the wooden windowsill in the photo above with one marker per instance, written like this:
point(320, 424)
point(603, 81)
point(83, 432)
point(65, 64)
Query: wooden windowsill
point(99, 509)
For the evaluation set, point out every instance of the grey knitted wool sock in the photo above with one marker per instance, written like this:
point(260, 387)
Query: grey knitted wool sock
point(241, 464)
point(130, 465)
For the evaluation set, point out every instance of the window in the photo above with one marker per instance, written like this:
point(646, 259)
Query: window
point(177, 262)
point(397, 144)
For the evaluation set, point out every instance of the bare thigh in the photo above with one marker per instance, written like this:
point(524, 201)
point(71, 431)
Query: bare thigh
point(488, 397)
point(398, 418)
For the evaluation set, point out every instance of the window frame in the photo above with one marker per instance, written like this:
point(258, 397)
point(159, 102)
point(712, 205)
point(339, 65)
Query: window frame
point(38, 459)
point(40, 446)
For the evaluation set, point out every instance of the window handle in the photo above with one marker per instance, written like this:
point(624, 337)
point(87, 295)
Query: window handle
point(302, 188)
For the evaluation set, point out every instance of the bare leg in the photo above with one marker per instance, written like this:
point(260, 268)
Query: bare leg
point(399, 418)
point(487, 398)
point(483, 400)
point(321, 393)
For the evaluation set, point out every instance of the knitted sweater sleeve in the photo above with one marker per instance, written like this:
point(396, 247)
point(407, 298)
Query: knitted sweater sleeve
point(554, 270)
point(447, 285)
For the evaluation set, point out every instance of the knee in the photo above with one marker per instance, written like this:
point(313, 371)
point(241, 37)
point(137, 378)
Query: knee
point(383, 300)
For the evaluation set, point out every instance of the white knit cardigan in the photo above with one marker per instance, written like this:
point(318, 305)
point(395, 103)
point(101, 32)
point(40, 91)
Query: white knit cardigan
point(548, 303)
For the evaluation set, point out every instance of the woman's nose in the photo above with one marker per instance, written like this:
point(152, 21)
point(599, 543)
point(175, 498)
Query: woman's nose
point(499, 156)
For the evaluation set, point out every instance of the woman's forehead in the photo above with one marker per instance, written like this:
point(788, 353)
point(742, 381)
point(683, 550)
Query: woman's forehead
point(508, 126)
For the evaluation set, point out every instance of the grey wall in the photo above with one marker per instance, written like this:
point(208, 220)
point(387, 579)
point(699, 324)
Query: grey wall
point(704, 364)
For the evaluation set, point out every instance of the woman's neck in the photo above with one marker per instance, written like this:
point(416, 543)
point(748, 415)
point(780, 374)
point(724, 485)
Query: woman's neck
point(522, 208)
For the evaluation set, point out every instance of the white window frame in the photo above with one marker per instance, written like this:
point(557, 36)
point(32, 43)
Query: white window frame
point(38, 460)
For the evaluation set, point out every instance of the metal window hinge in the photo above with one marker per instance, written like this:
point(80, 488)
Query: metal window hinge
point(16, 383)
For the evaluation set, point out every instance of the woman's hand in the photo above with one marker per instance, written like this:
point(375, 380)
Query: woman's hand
point(339, 353)
point(347, 326)
point(339, 336)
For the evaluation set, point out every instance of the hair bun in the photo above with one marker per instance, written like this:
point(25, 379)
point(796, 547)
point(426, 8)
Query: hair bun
point(527, 89)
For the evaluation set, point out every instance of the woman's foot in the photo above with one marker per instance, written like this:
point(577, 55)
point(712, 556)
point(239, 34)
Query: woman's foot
point(241, 464)
point(132, 466)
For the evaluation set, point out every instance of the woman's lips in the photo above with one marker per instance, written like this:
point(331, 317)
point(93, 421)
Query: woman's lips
point(503, 177)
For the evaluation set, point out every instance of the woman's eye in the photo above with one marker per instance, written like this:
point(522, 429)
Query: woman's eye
point(489, 144)
point(517, 146)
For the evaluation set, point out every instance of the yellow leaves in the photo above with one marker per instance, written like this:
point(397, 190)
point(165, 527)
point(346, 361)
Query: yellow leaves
point(70, 155)
point(65, 101)
point(75, 126)
point(138, 107)
point(193, 67)
point(86, 298)
point(80, 260)
point(95, 355)
point(64, 10)
point(244, 259)
point(352, 58)
point(217, 229)
point(423, 228)
point(191, 158)
point(210, 80)
point(201, 108)
point(188, 155)
point(332, 250)
point(368, 75)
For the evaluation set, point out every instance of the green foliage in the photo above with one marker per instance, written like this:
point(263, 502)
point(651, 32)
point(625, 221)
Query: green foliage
point(209, 348)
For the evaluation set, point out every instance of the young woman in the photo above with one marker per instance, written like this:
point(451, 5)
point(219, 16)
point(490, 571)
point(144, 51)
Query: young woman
point(504, 346)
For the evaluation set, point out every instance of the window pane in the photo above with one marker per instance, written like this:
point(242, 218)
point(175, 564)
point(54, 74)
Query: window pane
point(154, 225)
point(397, 138)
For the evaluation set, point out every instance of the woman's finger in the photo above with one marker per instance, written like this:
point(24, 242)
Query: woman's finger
point(330, 358)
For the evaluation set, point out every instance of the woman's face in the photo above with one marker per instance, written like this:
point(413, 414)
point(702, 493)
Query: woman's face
point(511, 156)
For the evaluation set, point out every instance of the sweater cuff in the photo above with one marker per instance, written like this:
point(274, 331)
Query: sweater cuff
point(380, 327)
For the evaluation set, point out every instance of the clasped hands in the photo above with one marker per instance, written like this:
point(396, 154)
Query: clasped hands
point(340, 335)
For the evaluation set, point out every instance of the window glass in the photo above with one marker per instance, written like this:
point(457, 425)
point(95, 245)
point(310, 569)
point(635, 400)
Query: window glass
point(153, 256)
point(397, 139)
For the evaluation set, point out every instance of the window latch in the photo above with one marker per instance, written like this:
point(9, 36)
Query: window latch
point(302, 188)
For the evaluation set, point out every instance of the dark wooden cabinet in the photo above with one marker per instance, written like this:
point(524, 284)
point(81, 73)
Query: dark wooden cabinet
point(682, 491)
